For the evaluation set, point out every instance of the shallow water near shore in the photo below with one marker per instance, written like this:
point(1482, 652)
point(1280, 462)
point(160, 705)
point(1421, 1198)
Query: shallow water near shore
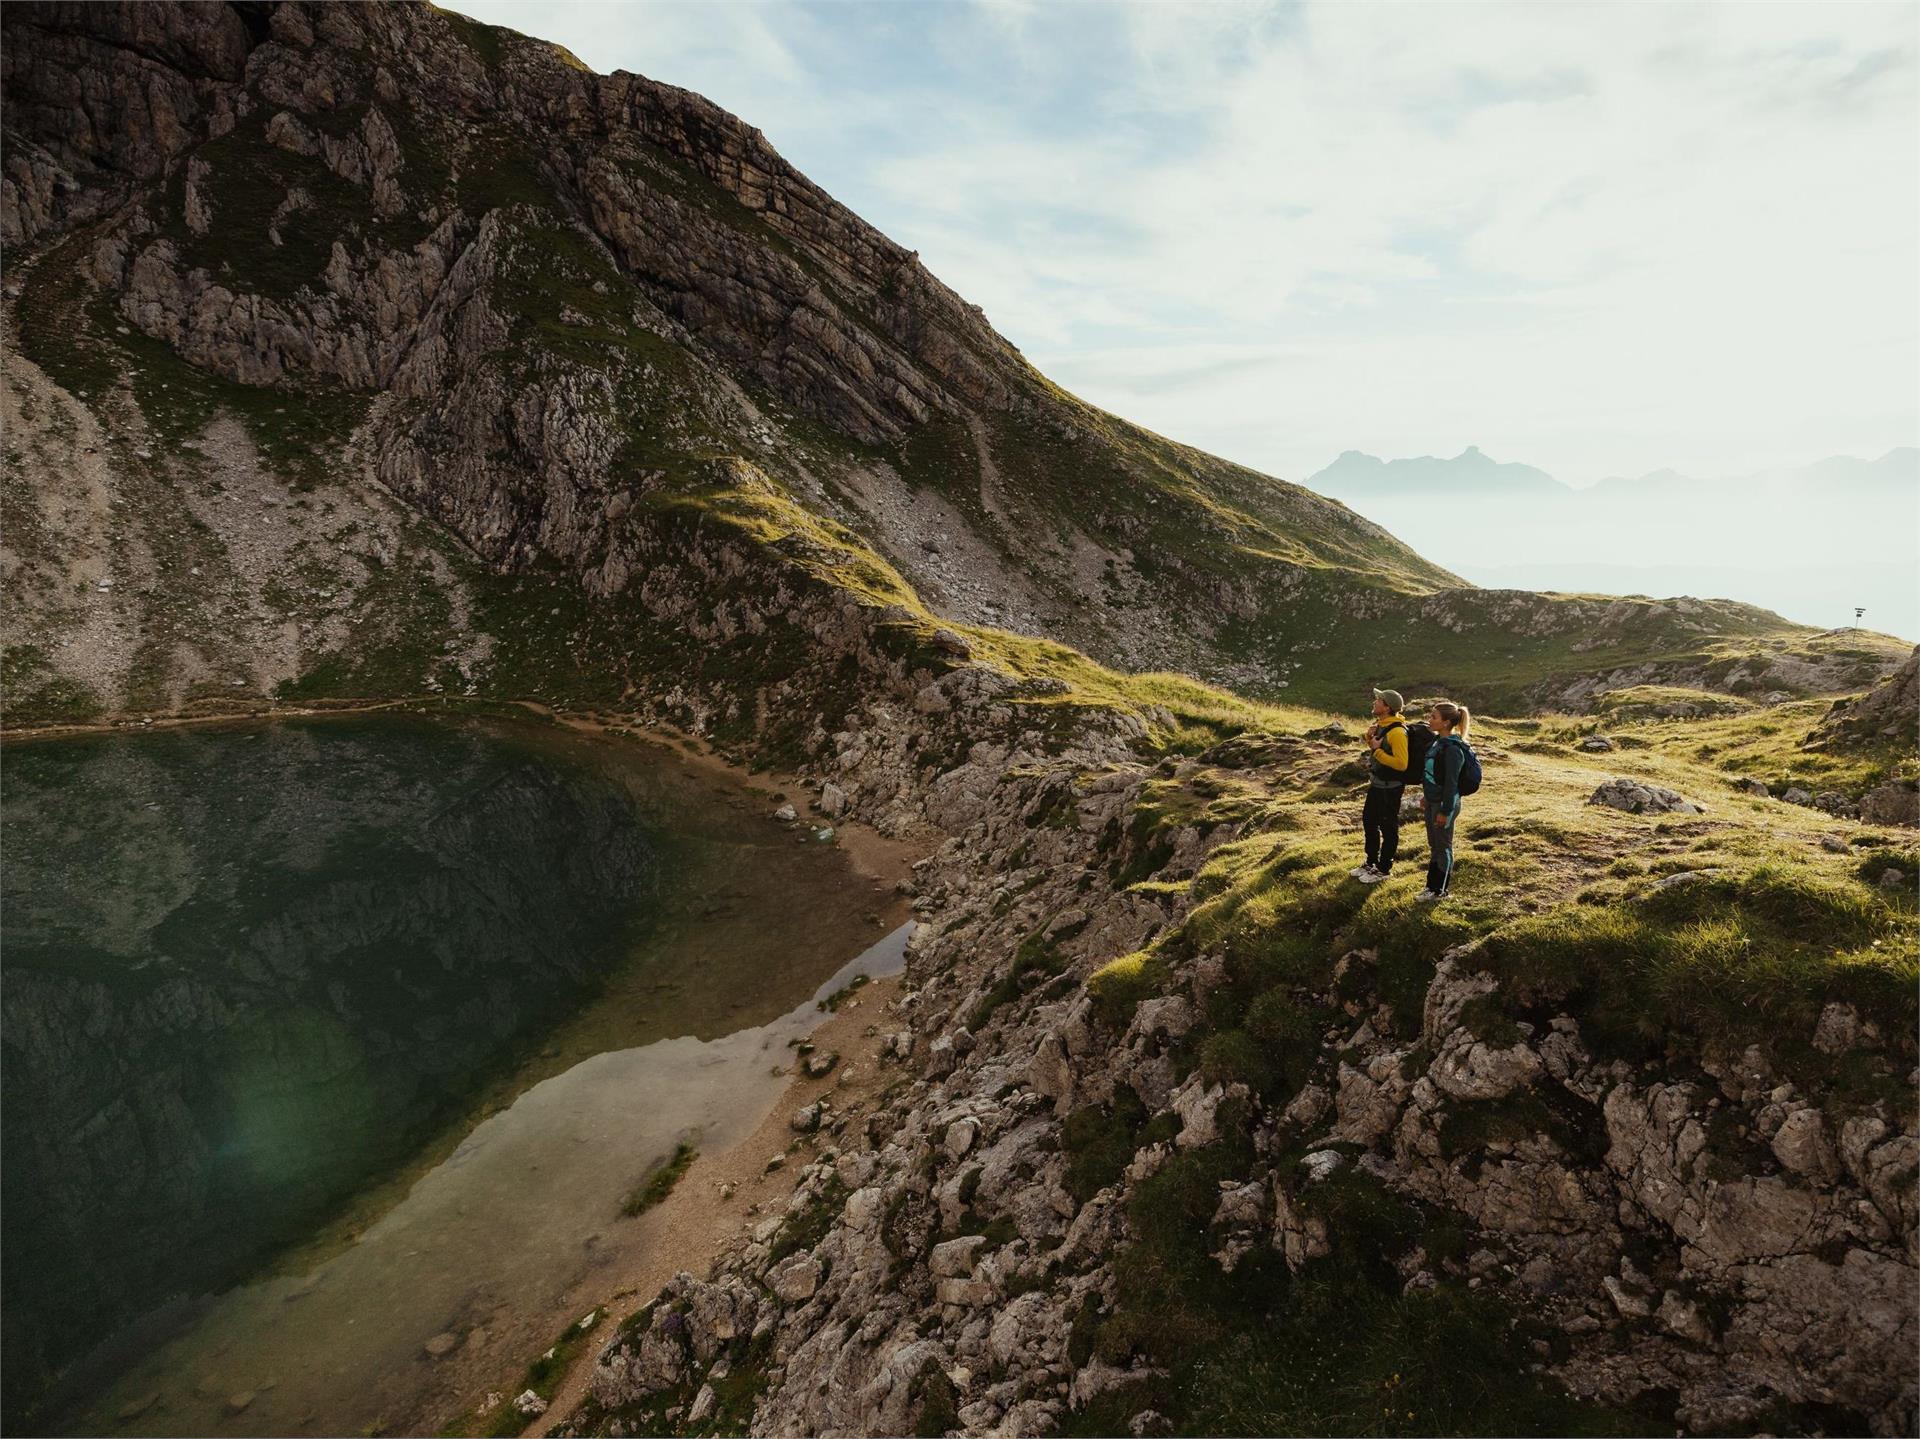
point(400, 1010)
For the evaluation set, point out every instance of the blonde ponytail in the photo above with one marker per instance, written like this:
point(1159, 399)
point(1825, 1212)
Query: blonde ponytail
point(1456, 715)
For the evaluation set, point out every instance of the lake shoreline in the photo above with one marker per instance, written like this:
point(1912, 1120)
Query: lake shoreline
point(718, 1198)
point(880, 857)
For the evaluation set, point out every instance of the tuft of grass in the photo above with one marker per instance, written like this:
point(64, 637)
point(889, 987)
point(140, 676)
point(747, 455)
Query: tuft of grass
point(1101, 1140)
point(1120, 984)
point(543, 1376)
point(807, 1227)
point(661, 1182)
point(1034, 962)
point(831, 1004)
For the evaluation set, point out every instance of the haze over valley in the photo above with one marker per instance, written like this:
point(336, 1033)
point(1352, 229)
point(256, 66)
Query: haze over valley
point(1810, 542)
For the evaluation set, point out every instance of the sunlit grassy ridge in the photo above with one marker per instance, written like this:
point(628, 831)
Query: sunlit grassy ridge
point(1757, 925)
point(1671, 940)
point(1180, 711)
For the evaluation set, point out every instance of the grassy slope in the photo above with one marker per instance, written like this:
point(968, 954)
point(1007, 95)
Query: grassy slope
point(1561, 898)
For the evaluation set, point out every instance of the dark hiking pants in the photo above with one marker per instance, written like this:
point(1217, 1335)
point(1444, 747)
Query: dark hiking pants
point(1440, 847)
point(1381, 821)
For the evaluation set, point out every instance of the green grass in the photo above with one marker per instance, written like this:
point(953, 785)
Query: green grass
point(1035, 961)
point(73, 334)
point(1100, 1140)
point(33, 693)
point(736, 1393)
point(808, 1226)
point(662, 1181)
point(831, 1004)
point(1743, 957)
point(247, 184)
point(1748, 952)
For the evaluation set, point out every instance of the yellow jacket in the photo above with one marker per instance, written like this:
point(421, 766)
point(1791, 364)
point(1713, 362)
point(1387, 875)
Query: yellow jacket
point(1390, 756)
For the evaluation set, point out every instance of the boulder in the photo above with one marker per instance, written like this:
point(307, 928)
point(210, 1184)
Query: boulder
point(970, 1293)
point(863, 1209)
point(1896, 802)
point(947, 642)
point(795, 1278)
point(1838, 1029)
point(807, 1118)
point(1308, 1107)
point(1641, 797)
point(704, 1403)
point(1801, 1145)
point(1681, 1317)
point(1597, 744)
point(833, 800)
point(954, 1258)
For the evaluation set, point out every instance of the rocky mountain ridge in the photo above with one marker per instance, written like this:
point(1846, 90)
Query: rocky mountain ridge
point(555, 311)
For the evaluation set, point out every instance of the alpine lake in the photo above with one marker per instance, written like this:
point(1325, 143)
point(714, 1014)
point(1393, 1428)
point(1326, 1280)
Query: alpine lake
point(326, 1036)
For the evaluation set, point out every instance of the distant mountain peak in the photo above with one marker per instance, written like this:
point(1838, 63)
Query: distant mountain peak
point(1357, 474)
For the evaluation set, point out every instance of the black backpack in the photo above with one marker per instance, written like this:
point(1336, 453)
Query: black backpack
point(1419, 741)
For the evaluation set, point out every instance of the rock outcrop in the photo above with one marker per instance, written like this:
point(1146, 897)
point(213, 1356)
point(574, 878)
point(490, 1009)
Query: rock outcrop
point(1643, 797)
point(1705, 1248)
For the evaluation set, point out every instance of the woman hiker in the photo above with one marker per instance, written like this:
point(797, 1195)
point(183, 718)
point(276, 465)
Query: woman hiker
point(1440, 788)
point(1386, 780)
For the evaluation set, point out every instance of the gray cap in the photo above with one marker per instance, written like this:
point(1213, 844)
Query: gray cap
point(1392, 697)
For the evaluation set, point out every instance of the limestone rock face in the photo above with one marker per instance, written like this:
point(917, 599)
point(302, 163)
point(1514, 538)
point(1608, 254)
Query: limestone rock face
point(1895, 802)
point(1890, 710)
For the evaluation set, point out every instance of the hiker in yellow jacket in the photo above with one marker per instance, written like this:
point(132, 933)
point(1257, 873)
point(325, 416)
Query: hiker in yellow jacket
point(1386, 781)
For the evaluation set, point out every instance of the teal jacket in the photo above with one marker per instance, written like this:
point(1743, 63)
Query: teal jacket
point(1441, 782)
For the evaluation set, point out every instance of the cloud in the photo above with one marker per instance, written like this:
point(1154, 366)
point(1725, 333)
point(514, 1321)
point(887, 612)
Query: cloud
point(1594, 237)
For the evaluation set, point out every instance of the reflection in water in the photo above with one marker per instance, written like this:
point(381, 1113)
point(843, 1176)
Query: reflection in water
point(485, 1249)
point(250, 970)
point(247, 968)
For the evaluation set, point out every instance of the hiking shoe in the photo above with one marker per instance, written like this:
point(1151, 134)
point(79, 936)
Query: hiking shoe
point(1370, 875)
point(1362, 873)
point(1427, 896)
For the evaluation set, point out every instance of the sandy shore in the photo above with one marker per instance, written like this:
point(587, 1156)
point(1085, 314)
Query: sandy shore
point(723, 1195)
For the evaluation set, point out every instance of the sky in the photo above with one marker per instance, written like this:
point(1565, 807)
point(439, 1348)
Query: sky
point(1599, 239)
